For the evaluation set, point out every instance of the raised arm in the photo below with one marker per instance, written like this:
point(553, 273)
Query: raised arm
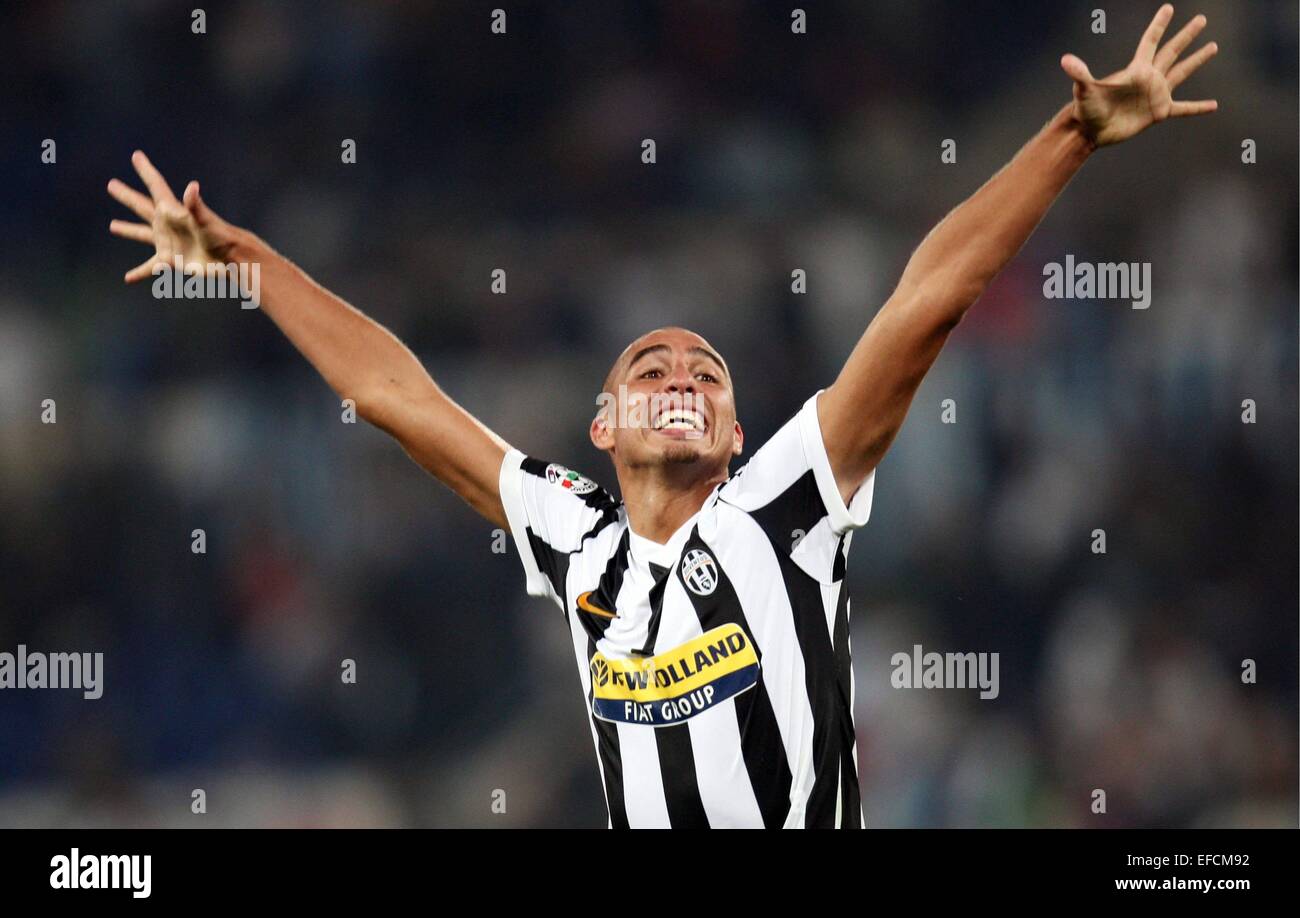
point(861, 412)
point(358, 357)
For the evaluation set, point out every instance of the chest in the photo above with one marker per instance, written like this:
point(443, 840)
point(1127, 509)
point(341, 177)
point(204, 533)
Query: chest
point(637, 607)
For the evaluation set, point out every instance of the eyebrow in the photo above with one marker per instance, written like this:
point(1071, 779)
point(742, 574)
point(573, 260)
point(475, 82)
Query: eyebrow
point(704, 351)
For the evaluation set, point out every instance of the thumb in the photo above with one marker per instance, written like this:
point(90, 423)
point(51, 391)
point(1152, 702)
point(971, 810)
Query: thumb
point(195, 205)
point(1076, 69)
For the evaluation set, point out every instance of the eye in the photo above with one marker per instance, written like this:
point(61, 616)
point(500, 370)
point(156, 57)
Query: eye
point(707, 377)
point(651, 374)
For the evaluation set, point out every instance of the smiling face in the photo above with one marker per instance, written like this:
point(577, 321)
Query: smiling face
point(668, 401)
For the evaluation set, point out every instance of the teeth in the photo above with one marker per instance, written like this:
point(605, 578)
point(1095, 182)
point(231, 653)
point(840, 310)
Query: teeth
point(680, 420)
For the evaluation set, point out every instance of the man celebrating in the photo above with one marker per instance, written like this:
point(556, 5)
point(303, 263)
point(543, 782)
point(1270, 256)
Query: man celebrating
point(707, 612)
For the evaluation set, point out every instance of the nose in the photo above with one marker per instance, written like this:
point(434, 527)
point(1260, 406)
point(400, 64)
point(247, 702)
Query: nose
point(680, 380)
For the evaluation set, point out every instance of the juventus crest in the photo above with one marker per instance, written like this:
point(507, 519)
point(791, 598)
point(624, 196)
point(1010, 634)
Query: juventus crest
point(700, 572)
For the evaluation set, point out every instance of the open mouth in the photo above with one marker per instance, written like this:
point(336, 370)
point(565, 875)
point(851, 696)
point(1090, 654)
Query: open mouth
point(681, 422)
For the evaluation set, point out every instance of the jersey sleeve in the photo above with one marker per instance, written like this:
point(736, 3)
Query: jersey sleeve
point(552, 510)
point(788, 488)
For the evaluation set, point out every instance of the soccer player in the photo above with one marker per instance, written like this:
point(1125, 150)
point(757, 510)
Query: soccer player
point(707, 612)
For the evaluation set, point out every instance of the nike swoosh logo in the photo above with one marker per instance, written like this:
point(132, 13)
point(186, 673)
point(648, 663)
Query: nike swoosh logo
point(585, 605)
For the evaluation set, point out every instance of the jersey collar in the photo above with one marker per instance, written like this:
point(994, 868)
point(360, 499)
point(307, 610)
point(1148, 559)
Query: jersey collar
point(667, 553)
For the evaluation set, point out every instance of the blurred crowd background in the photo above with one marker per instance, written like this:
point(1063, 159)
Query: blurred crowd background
point(1119, 671)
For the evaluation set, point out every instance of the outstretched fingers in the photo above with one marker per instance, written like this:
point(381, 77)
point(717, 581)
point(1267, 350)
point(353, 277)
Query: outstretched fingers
point(1199, 107)
point(1076, 69)
point(138, 232)
point(1146, 49)
point(168, 222)
point(195, 205)
point(142, 270)
point(1178, 44)
point(152, 178)
point(132, 200)
point(1185, 68)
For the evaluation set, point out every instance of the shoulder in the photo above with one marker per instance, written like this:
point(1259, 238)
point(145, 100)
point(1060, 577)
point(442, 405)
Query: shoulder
point(564, 481)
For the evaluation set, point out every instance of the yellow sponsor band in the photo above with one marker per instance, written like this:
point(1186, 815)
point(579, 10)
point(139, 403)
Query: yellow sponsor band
point(698, 662)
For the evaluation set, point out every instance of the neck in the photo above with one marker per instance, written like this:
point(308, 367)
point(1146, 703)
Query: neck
point(660, 499)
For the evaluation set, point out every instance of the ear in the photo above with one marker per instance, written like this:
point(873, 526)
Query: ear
point(602, 437)
point(738, 442)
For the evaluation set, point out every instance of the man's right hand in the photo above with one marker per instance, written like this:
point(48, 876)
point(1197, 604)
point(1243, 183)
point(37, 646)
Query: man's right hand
point(359, 358)
point(185, 228)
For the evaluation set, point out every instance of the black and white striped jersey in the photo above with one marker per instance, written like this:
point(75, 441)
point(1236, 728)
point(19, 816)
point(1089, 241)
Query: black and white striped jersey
point(716, 666)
